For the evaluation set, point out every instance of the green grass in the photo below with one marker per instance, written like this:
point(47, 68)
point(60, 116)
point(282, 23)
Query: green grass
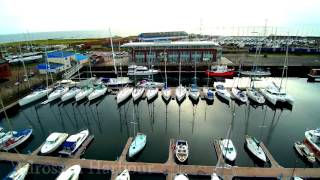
point(53, 42)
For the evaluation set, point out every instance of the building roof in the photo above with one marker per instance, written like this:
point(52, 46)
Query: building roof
point(162, 34)
point(81, 57)
point(174, 43)
point(60, 54)
point(51, 66)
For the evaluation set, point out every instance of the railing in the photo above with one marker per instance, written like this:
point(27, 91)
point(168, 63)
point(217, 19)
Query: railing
point(72, 71)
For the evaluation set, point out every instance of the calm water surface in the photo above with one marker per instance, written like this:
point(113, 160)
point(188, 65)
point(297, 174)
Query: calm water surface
point(198, 123)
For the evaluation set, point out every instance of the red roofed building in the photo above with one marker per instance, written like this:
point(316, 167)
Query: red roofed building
point(5, 72)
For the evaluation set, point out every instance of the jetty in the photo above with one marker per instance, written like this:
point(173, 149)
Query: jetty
point(169, 168)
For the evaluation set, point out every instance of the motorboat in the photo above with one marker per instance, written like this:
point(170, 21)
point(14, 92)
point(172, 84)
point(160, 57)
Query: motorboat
point(255, 95)
point(58, 92)
point(124, 94)
point(124, 175)
point(166, 93)
point(194, 92)
point(135, 70)
point(220, 71)
point(181, 92)
point(34, 96)
point(214, 176)
point(274, 94)
point(239, 95)
point(72, 173)
point(253, 145)
point(85, 92)
point(71, 93)
point(137, 93)
point(208, 93)
point(313, 139)
point(221, 91)
point(19, 173)
point(304, 152)
point(182, 150)
point(152, 93)
point(4, 137)
point(118, 81)
point(18, 137)
point(181, 177)
point(149, 84)
point(73, 142)
point(256, 72)
point(98, 91)
point(138, 143)
point(228, 150)
point(67, 82)
point(53, 141)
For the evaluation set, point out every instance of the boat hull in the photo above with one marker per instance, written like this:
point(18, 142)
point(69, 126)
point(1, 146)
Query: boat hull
point(137, 145)
point(29, 99)
point(47, 149)
point(137, 93)
point(219, 74)
point(20, 141)
point(255, 149)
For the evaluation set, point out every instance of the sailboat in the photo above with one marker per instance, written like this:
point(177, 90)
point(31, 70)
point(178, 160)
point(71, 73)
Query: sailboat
point(84, 92)
point(166, 91)
point(138, 143)
point(254, 147)
point(72, 173)
point(57, 93)
point(239, 95)
point(275, 94)
point(37, 93)
point(255, 95)
point(70, 94)
point(124, 175)
point(228, 150)
point(194, 92)
point(181, 177)
point(125, 92)
point(208, 93)
point(214, 176)
point(18, 173)
point(180, 90)
point(152, 91)
point(98, 91)
point(221, 91)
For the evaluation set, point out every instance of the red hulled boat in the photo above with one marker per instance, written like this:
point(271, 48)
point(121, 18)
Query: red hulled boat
point(220, 71)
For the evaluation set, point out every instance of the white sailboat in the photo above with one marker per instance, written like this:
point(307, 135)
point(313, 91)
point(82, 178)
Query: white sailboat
point(276, 94)
point(166, 91)
point(72, 173)
point(98, 91)
point(70, 94)
point(150, 84)
point(152, 91)
point(124, 94)
point(181, 177)
point(57, 93)
point(228, 150)
point(239, 95)
point(18, 173)
point(53, 141)
point(208, 93)
point(221, 91)
point(138, 143)
point(255, 95)
point(73, 142)
point(124, 175)
point(254, 147)
point(181, 91)
point(214, 176)
point(182, 150)
point(137, 93)
point(84, 92)
point(194, 92)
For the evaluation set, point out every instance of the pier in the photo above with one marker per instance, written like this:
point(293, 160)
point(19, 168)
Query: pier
point(169, 168)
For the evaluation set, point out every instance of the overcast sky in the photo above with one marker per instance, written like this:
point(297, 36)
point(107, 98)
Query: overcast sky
point(127, 17)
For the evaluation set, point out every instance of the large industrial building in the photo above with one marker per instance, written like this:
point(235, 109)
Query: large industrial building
point(186, 51)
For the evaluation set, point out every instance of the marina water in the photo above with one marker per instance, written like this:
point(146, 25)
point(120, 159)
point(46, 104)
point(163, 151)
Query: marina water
point(199, 123)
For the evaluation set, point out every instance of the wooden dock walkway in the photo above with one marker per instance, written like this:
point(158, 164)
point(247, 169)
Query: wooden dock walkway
point(123, 156)
point(220, 162)
point(83, 147)
point(273, 162)
point(168, 168)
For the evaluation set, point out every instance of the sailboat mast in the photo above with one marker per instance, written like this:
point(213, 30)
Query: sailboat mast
point(113, 55)
point(285, 66)
point(24, 67)
point(47, 78)
point(165, 68)
point(179, 71)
